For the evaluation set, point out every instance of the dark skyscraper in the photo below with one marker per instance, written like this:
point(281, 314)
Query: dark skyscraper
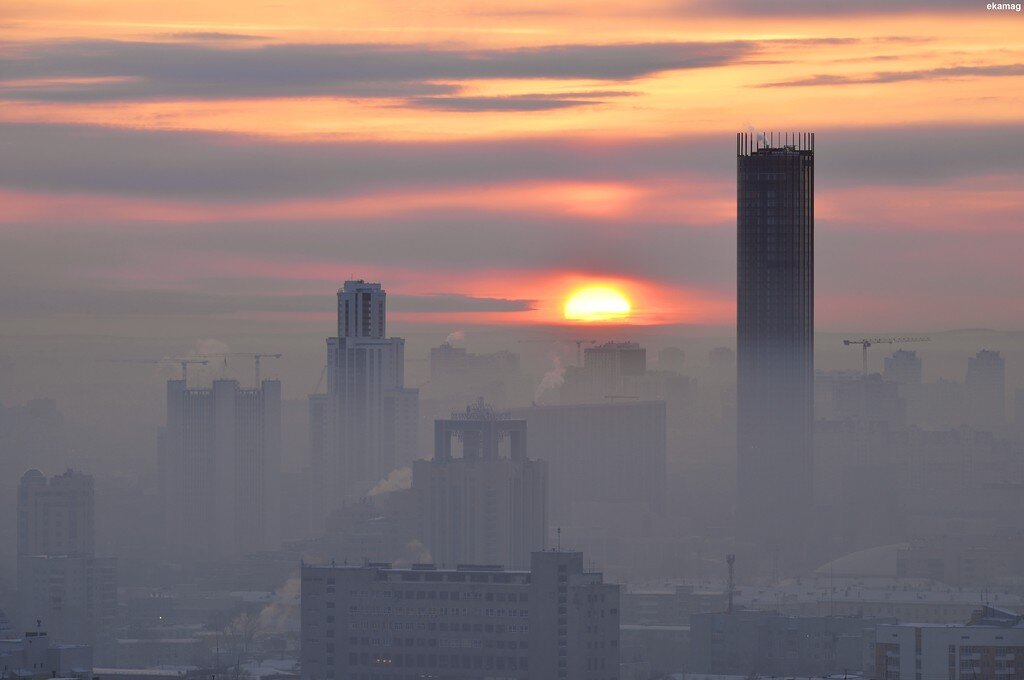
point(775, 335)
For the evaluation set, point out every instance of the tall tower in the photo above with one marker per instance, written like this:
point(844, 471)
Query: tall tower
point(775, 337)
point(365, 425)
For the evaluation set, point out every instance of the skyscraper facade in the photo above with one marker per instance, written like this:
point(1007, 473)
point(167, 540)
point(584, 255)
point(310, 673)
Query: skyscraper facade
point(365, 425)
point(775, 338)
point(220, 468)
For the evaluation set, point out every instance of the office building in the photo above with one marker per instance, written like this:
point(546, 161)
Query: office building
point(989, 647)
point(556, 621)
point(364, 426)
point(986, 391)
point(775, 340)
point(487, 505)
point(220, 469)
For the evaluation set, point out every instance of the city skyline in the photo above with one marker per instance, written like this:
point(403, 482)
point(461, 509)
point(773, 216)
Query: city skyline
point(486, 169)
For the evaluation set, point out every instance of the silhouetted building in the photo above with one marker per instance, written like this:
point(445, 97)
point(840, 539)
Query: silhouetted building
point(986, 391)
point(775, 335)
point(556, 621)
point(220, 468)
point(482, 507)
point(365, 425)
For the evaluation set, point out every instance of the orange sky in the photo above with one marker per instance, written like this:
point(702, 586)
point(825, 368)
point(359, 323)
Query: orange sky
point(298, 82)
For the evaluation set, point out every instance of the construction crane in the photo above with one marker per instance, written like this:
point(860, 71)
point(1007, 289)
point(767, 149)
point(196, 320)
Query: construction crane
point(868, 342)
point(256, 356)
point(183, 361)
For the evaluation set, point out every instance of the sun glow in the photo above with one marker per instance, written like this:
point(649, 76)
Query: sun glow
point(597, 304)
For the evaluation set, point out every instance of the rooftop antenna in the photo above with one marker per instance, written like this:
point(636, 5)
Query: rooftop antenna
point(559, 532)
point(731, 561)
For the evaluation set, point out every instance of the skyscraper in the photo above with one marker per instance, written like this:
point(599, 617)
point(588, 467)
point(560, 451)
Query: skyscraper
point(365, 425)
point(775, 337)
point(220, 468)
point(481, 507)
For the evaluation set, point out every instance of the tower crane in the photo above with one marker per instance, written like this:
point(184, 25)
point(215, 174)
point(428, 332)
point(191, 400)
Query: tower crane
point(183, 361)
point(256, 356)
point(868, 342)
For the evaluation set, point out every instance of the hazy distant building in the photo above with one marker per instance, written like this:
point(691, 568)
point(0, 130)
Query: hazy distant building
point(481, 507)
point(904, 367)
point(365, 425)
point(60, 580)
point(220, 469)
point(764, 643)
point(606, 462)
point(615, 359)
point(989, 646)
point(775, 336)
point(556, 621)
point(986, 391)
point(56, 516)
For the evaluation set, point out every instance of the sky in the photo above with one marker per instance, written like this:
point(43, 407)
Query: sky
point(180, 167)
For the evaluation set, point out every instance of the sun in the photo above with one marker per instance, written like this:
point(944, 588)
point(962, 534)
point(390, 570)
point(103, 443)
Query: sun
point(597, 303)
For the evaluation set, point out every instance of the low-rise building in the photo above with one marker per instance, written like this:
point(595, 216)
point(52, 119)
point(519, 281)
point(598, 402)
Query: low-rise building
point(556, 621)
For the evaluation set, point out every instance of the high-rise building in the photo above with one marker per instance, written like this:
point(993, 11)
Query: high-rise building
point(986, 391)
point(61, 583)
point(365, 425)
point(481, 507)
point(775, 338)
point(220, 468)
point(612, 360)
point(554, 622)
point(904, 367)
point(56, 516)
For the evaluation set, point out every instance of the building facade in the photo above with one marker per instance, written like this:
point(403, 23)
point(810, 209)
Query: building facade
point(775, 338)
point(554, 622)
point(220, 468)
point(989, 647)
point(482, 507)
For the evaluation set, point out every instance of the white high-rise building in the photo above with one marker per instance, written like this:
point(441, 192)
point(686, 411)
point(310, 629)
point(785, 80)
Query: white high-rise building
point(220, 468)
point(365, 425)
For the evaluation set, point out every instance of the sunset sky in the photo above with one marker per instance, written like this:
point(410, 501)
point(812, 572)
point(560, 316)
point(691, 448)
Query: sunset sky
point(484, 158)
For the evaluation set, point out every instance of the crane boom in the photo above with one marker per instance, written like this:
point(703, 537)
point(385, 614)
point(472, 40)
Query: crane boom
point(868, 342)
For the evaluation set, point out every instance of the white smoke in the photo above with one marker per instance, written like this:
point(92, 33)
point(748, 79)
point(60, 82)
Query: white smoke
point(552, 380)
point(397, 480)
point(455, 336)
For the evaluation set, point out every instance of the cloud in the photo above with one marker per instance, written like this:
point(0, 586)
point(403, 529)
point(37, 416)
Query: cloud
point(226, 167)
point(198, 70)
point(511, 103)
point(997, 70)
